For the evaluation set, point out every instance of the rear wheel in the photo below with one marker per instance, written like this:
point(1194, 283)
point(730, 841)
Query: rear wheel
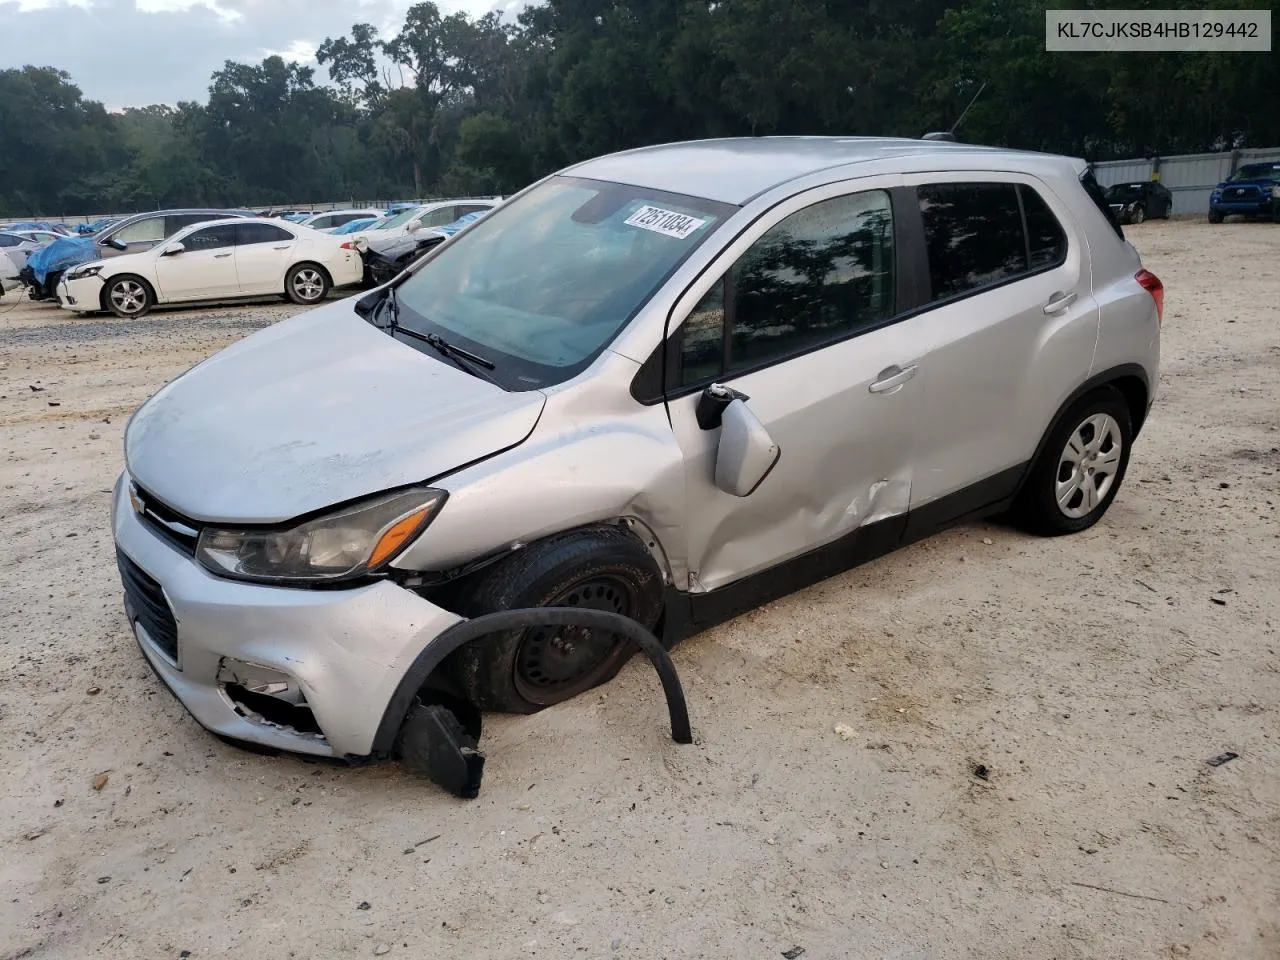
point(1081, 467)
point(306, 284)
point(128, 297)
point(1139, 214)
point(523, 671)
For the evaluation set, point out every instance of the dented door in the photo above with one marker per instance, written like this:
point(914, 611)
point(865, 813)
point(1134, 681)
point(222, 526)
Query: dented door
point(845, 460)
point(805, 320)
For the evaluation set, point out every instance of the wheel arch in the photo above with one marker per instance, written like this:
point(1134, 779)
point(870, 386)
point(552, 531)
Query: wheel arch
point(1129, 379)
point(106, 286)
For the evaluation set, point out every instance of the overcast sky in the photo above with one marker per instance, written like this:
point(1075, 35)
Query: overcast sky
point(129, 53)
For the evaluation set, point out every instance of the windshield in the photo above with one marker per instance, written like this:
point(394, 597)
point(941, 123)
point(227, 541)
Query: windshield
point(1258, 171)
point(1122, 190)
point(399, 220)
point(543, 283)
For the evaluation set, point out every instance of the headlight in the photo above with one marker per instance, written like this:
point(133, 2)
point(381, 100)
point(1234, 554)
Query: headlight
point(338, 546)
point(79, 273)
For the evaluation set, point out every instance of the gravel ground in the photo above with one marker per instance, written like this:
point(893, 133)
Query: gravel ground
point(1091, 676)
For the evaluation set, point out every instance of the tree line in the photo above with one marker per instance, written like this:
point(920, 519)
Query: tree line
point(454, 105)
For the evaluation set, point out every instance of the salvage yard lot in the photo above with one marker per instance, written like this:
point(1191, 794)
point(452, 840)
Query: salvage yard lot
point(1091, 676)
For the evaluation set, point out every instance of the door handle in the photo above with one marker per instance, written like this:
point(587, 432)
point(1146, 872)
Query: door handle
point(1059, 302)
point(892, 379)
point(220, 256)
point(285, 247)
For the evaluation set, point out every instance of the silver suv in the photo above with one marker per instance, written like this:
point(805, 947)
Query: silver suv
point(674, 383)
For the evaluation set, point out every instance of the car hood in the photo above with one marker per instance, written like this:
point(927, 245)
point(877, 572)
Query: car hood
point(1261, 184)
point(312, 412)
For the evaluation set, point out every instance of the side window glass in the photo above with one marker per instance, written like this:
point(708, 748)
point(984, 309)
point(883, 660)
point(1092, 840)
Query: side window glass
point(702, 338)
point(1046, 240)
point(438, 218)
point(176, 222)
point(973, 233)
point(211, 238)
point(250, 233)
point(822, 273)
point(150, 230)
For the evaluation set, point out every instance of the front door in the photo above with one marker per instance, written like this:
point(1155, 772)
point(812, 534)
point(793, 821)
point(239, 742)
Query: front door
point(205, 268)
point(800, 314)
point(264, 253)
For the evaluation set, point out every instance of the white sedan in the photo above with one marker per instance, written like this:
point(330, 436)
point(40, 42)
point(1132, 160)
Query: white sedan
point(216, 260)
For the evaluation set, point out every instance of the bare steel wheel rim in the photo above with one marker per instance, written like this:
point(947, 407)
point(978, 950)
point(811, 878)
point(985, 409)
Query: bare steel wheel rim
point(128, 296)
point(1088, 465)
point(555, 663)
point(308, 284)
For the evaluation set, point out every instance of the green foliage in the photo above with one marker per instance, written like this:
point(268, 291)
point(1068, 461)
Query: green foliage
point(455, 105)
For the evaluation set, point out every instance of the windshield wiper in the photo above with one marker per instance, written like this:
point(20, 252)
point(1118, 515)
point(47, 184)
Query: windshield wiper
point(463, 359)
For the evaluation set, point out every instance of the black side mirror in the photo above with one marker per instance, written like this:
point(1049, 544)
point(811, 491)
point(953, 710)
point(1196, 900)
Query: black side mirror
point(115, 243)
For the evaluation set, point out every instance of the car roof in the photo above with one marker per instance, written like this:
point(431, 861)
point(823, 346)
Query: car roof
point(735, 170)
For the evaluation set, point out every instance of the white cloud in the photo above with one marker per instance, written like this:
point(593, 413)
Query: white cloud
point(300, 51)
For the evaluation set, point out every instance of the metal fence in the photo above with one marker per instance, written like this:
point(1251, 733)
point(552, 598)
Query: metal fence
point(1190, 177)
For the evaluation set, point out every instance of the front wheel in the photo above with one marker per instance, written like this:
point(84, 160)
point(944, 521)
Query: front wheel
point(306, 284)
point(1139, 214)
point(1215, 217)
point(1081, 467)
point(523, 671)
point(128, 297)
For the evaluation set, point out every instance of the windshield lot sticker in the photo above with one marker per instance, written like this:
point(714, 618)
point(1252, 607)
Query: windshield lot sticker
point(666, 222)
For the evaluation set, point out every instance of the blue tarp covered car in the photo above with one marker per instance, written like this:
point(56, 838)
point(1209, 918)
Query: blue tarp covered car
point(61, 254)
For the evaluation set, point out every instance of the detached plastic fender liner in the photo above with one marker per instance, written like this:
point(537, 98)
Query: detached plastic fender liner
point(467, 630)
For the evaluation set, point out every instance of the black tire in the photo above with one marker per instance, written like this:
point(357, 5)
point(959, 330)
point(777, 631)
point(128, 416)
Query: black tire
point(523, 671)
point(1095, 475)
point(1215, 217)
point(307, 284)
point(128, 296)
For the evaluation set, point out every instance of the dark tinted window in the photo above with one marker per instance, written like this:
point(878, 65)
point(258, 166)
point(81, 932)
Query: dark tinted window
point(247, 233)
point(341, 219)
point(211, 238)
point(973, 232)
point(823, 273)
point(464, 208)
point(176, 221)
point(1099, 198)
point(1046, 240)
point(9, 240)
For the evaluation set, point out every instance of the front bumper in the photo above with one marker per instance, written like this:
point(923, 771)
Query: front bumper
point(1250, 208)
point(345, 650)
point(84, 294)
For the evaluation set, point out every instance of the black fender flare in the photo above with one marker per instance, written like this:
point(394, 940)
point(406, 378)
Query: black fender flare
point(435, 652)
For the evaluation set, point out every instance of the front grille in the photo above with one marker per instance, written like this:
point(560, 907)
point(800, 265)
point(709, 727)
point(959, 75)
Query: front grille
point(147, 602)
point(173, 526)
point(1244, 193)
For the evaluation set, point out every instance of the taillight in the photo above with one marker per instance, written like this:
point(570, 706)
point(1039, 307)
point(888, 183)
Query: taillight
point(349, 245)
point(1151, 283)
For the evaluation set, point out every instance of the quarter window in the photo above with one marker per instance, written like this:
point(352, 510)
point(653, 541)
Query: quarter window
point(822, 274)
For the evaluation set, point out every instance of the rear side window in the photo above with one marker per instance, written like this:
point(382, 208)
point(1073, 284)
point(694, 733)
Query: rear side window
point(177, 221)
point(247, 233)
point(439, 217)
point(980, 235)
point(1046, 240)
point(973, 232)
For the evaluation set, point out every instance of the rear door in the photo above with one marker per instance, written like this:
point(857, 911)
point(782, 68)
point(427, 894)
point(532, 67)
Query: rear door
point(1008, 334)
point(802, 315)
point(206, 268)
point(264, 252)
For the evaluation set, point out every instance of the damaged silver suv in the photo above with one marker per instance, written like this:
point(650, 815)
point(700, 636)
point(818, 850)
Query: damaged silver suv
point(673, 383)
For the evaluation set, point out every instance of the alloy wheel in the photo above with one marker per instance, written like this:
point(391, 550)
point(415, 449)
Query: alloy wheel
point(128, 296)
point(308, 284)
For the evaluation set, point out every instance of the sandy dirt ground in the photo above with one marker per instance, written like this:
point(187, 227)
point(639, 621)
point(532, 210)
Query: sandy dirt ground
point(1092, 676)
